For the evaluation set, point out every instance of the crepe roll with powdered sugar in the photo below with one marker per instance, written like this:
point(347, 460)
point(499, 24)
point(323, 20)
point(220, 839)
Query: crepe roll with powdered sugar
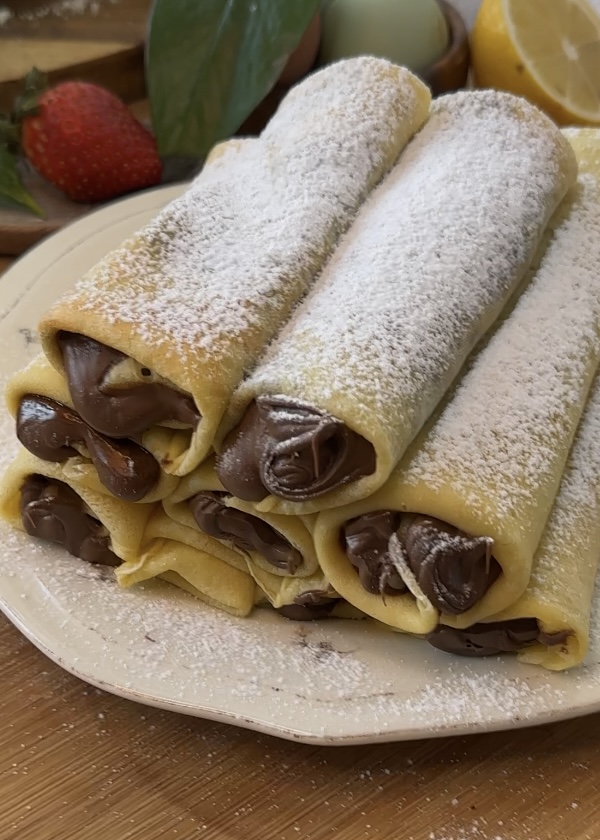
point(38, 497)
point(278, 545)
point(50, 428)
point(549, 624)
point(432, 258)
point(161, 331)
point(452, 535)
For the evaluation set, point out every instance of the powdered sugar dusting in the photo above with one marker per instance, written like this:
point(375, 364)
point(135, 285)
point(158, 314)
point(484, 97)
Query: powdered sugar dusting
point(432, 257)
point(572, 529)
point(219, 268)
point(510, 424)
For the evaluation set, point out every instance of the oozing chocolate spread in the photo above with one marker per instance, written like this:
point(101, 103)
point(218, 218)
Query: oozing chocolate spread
point(366, 541)
point(291, 450)
point(49, 429)
point(310, 606)
point(453, 570)
point(118, 411)
point(494, 637)
point(52, 511)
point(250, 533)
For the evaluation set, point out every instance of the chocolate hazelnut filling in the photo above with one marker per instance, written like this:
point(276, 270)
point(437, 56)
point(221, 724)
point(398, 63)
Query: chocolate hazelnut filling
point(291, 450)
point(366, 543)
point(50, 430)
point(495, 637)
point(247, 532)
point(453, 569)
point(310, 606)
point(50, 510)
point(118, 411)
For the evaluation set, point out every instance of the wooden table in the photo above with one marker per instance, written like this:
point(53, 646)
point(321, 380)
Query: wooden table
point(79, 764)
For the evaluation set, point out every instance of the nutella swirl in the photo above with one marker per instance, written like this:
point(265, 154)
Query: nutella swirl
point(50, 510)
point(246, 532)
point(453, 569)
point(293, 451)
point(112, 410)
point(493, 638)
point(310, 606)
point(49, 430)
point(366, 540)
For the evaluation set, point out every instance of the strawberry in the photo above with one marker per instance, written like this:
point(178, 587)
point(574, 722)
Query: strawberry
point(84, 140)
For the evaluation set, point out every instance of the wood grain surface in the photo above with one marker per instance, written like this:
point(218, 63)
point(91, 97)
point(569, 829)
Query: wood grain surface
point(79, 764)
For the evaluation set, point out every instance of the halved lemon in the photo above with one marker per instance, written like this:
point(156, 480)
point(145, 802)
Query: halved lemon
point(545, 50)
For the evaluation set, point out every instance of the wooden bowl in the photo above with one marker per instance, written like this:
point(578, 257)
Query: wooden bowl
point(451, 71)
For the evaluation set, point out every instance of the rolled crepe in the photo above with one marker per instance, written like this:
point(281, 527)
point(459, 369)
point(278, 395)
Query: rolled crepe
point(549, 624)
point(39, 497)
point(164, 328)
point(454, 531)
point(177, 555)
point(432, 258)
point(50, 428)
point(277, 545)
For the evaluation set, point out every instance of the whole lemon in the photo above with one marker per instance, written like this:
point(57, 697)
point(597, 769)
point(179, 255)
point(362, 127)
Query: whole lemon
point(410, 32)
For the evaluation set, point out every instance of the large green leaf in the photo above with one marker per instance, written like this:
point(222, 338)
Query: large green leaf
point(12, 191)
point(210, 63)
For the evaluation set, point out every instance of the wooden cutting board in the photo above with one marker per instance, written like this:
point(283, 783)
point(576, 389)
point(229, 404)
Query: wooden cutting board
point(100, 41)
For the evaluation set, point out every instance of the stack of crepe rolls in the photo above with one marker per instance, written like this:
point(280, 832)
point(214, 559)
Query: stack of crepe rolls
point(425, 270)
point(61, 447)
point(158, 335)
point(446, 526)
point(280, 545)
point(278, 551)
point(193, 562)
point(452, 536)
point(175, 549)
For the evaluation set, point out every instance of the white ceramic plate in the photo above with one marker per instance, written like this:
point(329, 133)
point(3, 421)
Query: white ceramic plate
point(330, 683)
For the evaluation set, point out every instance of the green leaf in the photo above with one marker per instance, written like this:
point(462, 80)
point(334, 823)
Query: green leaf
point(12, 191)
point(211, 62)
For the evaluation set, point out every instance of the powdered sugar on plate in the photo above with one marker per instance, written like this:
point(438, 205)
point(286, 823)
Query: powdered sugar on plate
point(328, 680)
